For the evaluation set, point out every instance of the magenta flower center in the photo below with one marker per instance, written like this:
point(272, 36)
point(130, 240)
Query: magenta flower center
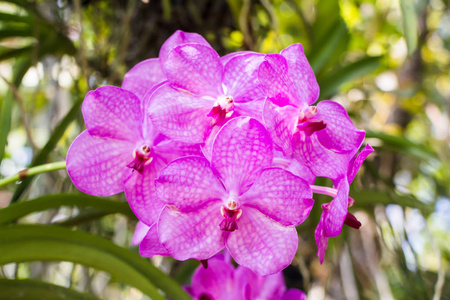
point(142, 156)
point(307, 123)
point(231, 213)
point(222, 109)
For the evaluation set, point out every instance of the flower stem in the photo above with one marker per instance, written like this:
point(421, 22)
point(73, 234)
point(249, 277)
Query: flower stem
point(324, 190)
point(33, 171)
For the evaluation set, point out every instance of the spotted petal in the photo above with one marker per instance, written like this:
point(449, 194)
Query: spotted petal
point(141, 195)
point(143, 77)
point(189, 183)
point(179, 115)
point(139, 233)
point(179, 38)
point(280, 122)
point(150, 245)
point(357, 162)
point(241, 77)
point(273, 76)
point(281, 196)
point(217, 280)
point(321, 239)
point(335, 216)
point(99, 166)
point(112, 112)
point(261, 244)
point(242, 148)
point(192, 235)
point(340, 135)
point(195, 68)
point(304, 85)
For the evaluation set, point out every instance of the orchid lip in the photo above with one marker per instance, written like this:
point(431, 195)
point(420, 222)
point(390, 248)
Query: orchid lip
point(142, 156)
point(223, 109)
point(307, 124)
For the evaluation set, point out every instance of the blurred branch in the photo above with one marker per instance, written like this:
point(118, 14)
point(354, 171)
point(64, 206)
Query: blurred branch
point(273, 15)
point(23, 115)
point(305, 23)
point(244, 24)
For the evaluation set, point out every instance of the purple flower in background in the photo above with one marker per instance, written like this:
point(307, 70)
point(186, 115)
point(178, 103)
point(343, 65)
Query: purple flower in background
point(321, 137)
point(234, 201)
point(220, 281)
point(121, 151)
point(335, 214)
point(202, 93)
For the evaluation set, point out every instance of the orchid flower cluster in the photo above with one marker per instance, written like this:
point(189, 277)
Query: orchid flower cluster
point(220, 153)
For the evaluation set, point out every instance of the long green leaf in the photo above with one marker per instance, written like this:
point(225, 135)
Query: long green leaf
point(403, 145)
point(42, 156)
point(36, 290)
point(14, 18)
point(409, 24)
point(373, 197)
point(20, 69)
point(330, 84)
point(24, 243)
point(21, 209)
point(324, 50)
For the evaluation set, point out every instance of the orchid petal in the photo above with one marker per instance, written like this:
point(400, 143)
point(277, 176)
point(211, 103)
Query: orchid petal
point(112, 112)
point(261, 244)
point(241, 77)
point(281, 196)
point(253, 109)
point(99, 166)
point(141, 195)
point(179, 115)
point(217, 280)
point(189, 183)
point(150, 245)
point(293, 294)
point(143, 77)
point(195, 68)
point(226, 58)
point(242, 148)
point(170, 150)
point(273, 76)
point(281, 122)
point(139, 233)
point(192, 235)
point(335, 216)
point(357, 162)
point(304, 85)
point(340, 135)
point(180, 38)
point(321, 161)
point(321, 238)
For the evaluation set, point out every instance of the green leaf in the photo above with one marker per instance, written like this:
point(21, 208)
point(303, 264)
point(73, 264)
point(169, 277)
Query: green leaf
point(36, 290)
point(330, 84)
point(403, 145)
point(409, 24)
point(20, 68)
point(14, 18)
point(324, 50)
point(373, 197)
point(18, 210)
point(25, 243)
point(42, 156)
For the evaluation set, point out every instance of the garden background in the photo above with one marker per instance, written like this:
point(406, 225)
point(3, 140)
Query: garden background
point(387, 62)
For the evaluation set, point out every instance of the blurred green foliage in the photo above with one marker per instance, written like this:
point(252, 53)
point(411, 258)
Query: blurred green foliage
point(386, 61)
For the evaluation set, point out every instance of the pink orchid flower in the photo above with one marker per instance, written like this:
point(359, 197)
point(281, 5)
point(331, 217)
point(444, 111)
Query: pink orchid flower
point(236, 201)
point(222, 281)
point(121, 151)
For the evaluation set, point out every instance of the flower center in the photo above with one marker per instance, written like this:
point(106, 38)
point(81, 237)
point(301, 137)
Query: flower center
point(142, 156)
point(222, 109)
point(231, 213)
point(307, 123)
